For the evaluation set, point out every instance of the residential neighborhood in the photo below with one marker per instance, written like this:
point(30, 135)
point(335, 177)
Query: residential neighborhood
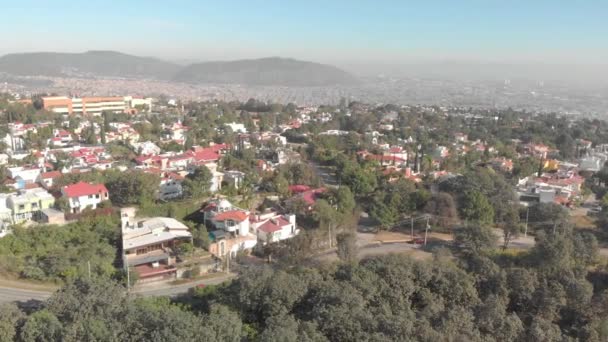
point(164, 196)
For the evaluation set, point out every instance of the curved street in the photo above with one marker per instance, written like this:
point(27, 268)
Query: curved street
point(8, 293)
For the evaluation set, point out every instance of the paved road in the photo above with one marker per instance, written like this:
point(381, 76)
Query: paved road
point(10, 294)
point(171, 290)
point(528, 242)
point(326, 173)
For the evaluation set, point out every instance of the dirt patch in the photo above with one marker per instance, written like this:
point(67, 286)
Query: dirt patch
point(581, 221)
point(391, 237)
point(441, 236)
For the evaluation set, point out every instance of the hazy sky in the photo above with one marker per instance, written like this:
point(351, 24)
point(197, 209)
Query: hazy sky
point(332, 31)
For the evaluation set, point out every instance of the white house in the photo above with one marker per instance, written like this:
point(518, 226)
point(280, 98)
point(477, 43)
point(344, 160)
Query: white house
point(592, 164)
point(27, 174)
point(47, 179)
point(147, 148)
point(84, 195)
point(272, 227)
point(236, 127)
point(232, 228)
point(234, 221)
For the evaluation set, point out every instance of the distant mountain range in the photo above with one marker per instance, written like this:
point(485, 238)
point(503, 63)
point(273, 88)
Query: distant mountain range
point(265, 71)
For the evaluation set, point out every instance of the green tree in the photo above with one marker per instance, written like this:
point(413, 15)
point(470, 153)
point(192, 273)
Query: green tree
point(476, 238)
point(10, 315)
point(200, 236)
point(42, 326)
point(510, 224)
point(197, 183)
point(477, 208)
point(345, 200)
point(326, 214)
point(360, 180)
point(347, 247)
point(443, 210)
point(128, 188)
point(566, 145)
point(384, 215)
point(89, 136)
point(281, 185)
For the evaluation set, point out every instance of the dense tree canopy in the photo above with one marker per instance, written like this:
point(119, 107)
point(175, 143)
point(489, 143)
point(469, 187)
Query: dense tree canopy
point(388, 298)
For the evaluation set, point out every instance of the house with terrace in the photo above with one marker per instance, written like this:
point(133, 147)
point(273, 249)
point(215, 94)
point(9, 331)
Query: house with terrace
point(229, 229)
point(149, 245)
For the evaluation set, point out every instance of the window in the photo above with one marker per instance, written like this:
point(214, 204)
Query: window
point(21, 206)
point(34, 205)
point(97, 196)
point(90, 196)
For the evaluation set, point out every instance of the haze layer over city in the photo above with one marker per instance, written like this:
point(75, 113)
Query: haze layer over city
point(517, 54)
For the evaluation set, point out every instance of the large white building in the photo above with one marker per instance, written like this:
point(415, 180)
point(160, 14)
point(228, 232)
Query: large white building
point(95, 105)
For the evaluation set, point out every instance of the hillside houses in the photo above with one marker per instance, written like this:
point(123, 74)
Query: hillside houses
point(561, 187)
point(236, 229)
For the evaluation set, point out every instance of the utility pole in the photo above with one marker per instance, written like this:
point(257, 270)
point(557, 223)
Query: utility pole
point(89, 267)
point(228, 263)
point(128, 279)
point(554, 227)
point(329, 234)
point(526, 226)
point(412, 226)
point(426, 230)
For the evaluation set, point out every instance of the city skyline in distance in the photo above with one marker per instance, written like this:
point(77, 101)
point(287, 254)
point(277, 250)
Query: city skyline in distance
point(336, 32)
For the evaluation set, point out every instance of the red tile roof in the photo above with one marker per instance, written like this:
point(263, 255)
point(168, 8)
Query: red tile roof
point(31, 186)
point(298, 188)
point(269, 227)
point(310, 196)
point(84, 189)
point(273, 225)
point(50, 175)
point(384, 158)
point(235, 215)
point(209, 207)
point(207, 154)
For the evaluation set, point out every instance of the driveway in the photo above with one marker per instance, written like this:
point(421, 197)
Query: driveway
point(326, 173)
